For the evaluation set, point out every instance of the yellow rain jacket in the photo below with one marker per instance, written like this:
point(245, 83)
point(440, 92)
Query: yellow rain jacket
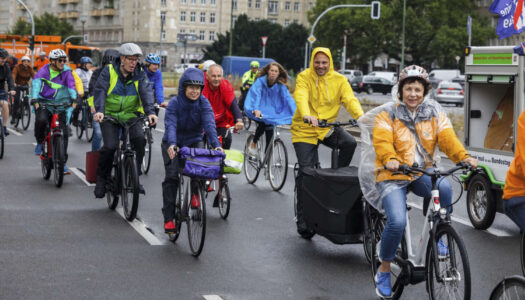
point(78, 84)
point(321, 97)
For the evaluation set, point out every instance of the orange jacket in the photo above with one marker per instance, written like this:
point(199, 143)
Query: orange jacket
point(40, 63)
point(515, 182)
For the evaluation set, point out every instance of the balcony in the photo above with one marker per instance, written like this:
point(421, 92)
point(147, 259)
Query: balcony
point(72, 15)
point(108, 12)
point(67, 1)
point(96, 13)
point(62, 15)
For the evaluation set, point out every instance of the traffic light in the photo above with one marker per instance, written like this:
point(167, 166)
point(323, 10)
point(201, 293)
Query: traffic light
point(376, 10)
point(32, 42)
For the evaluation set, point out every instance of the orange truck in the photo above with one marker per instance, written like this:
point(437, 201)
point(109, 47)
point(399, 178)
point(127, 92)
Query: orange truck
point(18, 45)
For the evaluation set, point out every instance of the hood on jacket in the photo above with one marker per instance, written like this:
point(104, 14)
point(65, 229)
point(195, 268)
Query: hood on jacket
point(190, 74)
point(325, 51)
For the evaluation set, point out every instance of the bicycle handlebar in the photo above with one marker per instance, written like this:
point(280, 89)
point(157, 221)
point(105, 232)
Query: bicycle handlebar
point(408, 170)
point(325, 124)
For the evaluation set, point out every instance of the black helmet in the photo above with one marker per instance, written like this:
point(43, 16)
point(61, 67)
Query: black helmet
point(109, 56)
point(193, 82)
point(3, 53)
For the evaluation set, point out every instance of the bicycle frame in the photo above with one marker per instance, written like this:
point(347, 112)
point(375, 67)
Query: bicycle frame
point(54, 129)
point(275, 136)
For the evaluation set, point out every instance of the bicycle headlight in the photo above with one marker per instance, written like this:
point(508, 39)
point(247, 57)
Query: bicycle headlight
point(57, 124)
point(442, 213)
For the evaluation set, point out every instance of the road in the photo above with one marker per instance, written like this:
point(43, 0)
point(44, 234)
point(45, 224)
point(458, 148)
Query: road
point(63, 243)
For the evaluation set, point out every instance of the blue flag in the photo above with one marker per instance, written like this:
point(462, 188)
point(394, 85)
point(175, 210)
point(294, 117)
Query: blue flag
point(512, 17)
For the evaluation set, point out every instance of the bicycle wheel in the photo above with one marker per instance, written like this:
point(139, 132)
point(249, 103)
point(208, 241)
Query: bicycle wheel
point(2, 134)
point(88, 130)
point(18, 114)
point(26, 114)
point(58, 160)
point(251, 164)
point(80, 124)
point(510, 288)
point(130, 188)
point(178, 211)
point(146, 161)
point(278, 165)
point(196, 221)
point(453, 269)
point(112, 188)
point(370, 220)
point(224, 199)
point(46, 162)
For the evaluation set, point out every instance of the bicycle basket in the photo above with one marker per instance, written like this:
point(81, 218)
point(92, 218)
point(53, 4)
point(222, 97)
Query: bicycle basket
point(233, 161)
point(201, 163)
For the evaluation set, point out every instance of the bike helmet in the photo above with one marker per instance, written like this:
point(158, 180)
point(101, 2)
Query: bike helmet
point(86, 60)
point(193, 82)
point(25, 58)
point(254, 64)
point(3, 53)
point(57, 53)
point(206, 65)
point(130, 49)
point(153, 58)
point(414, 71)
point(109, 56)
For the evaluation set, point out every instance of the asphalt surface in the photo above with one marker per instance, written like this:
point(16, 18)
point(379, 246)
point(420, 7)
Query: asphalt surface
point(65, 244)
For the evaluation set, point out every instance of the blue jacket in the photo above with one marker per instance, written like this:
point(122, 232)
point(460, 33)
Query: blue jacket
point(275, 103)
point(156, 81)
point(186, 120)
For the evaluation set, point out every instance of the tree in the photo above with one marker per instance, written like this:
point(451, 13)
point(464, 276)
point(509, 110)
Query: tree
point(46, 24)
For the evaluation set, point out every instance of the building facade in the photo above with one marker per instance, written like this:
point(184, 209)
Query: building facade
point(174, 29)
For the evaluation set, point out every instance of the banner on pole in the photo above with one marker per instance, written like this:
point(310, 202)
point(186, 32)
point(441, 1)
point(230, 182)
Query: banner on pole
point(512, 17)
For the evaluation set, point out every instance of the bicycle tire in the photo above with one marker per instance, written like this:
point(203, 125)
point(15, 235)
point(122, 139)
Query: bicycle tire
point(224, 198)
point(45, 162)
point(251, 165)
point(280, 165)
point(449, 236)
point(80, 125)
point(19, 115)
point(130, 187)
point(367, 238)
point(510, 288)
point(196, 221)
point(146, 161)
point(2, 141)
point(58, 160)
point(178, 211)
point(26, 114)
point(112, 189)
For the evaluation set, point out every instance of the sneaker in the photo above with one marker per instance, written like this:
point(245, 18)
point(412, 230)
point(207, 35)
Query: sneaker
point(13, 120)
point(383, 287)
point(252, 152)
point(100, 188)
point(66, 170)
point(195, 201)
point(169, 227)
point(38, 149)
point(210, 187)
point(442, 249)
point(6, 133)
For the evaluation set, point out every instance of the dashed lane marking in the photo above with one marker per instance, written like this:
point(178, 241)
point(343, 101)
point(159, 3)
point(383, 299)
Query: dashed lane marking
point(142, 229)
point(14, 132)
point(212, 297)
point(81, 175)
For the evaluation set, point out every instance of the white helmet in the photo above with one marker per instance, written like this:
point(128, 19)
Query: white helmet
point(206, 65)
point(25, 58)
point(57, 53)
point(130, 49)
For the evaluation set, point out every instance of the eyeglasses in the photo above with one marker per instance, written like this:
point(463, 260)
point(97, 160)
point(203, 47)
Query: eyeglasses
point(62, 61)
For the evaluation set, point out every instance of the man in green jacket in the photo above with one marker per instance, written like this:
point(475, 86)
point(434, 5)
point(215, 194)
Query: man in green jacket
point(247, 80)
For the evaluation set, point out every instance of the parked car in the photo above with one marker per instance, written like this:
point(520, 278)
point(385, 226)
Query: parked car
point(391, 76)
point(351, 74)
point(459, 79)
point(373, 84)
point(449, 92)
point(438, 75)
point(357, 84)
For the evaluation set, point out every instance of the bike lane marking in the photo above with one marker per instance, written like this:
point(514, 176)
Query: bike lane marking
point(14, 132)
point(142, 229)
point(81, 176)
point(212, 297)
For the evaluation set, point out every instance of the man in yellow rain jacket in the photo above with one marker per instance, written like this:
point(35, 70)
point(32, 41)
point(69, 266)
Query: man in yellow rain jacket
point(319, 93)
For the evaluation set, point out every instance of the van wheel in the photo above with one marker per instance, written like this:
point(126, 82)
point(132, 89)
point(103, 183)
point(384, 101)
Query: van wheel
point(481, 202)
point(369, 90)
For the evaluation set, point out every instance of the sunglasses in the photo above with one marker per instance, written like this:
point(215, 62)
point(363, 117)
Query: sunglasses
point(63, 61)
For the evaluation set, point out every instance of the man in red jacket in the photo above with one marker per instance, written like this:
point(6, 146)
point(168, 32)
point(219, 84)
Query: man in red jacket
point(221, 95)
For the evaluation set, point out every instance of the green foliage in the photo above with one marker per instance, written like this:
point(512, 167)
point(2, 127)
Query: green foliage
point(46, 24)
point(435, 31)
point(285, 45)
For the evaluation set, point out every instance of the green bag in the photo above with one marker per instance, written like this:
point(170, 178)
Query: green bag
point(233, 161)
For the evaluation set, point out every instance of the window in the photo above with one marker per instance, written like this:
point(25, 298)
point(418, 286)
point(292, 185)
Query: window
point(287, 5)
point(272, 7)
point(203, 17)
point(286, 22)
point(163, 17)
point(203, 2)
point(295, 21)
point(272, 20)
point(182, 31)
point(212, 18)
point(257, 19)
point(296, 6)
point(163, 3)
point(249, 3)
point(234, 3)
point(182, 1)
point(163, 35)
point(257, 3)
point(192, 31)
point(234, 20)
point(192, 17)
point(193, 1)
point(212, 2)
point(310, 5)
point(212, 35)
point(201, 35)
point(183, 16)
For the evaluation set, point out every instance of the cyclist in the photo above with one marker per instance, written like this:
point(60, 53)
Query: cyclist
point(109, 56)
point(319, 93)
point(53, 83)
point(122, 90)
point(41, 61)
point(406, 132)
point(221, 96)
point(187, 116)
point(84, 73)
point(5, 75)
point(152, 63)
point(269, 97)
point(22, 73)
point(248, 78)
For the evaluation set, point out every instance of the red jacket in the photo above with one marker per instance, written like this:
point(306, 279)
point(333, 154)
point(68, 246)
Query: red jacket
point(221, 100)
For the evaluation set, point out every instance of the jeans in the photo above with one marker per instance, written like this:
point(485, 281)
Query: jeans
point(96, 142)
point(515, 209)
point(394, 205)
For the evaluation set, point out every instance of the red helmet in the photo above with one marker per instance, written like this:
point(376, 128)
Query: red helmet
point(413, 71)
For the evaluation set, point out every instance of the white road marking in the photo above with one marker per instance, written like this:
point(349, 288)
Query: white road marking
point(493, 231)
point(141, 229)
point(212, 297)
point(34, 144)
point(14, 132)
point(81, 176)
point(159, 130)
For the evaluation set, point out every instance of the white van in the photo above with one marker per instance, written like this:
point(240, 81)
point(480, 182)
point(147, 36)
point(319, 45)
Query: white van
point(438, 75)
point(391, 76)
point(351, 74)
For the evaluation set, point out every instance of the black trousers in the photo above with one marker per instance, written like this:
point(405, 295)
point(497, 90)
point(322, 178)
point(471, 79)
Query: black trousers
point(263, 128)
point(111, 136)
point(42, 119)
point(18, 100)
point(170, 185)
point(226, 141)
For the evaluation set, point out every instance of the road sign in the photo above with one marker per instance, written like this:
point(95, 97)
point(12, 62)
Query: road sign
point(311, 39)
point(85, 37)
point(264, 39)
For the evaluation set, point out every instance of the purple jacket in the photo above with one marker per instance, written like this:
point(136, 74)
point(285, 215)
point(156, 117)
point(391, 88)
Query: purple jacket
point(59, 89)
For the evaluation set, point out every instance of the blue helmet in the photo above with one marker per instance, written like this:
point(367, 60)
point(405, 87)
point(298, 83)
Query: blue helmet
point(86, 60)
point(153, 59)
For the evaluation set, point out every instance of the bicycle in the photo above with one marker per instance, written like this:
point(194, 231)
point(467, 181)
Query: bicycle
point(124, 177)
point(53, 154)
point(148, 136)
point(85, 124)
point(24, 109)
point(2, 136)
point(275, 161)
point(447, 272)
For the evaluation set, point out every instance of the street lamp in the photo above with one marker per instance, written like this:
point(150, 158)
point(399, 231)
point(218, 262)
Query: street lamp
point(457, 61)
point(83, 19)
point(32, 30)
point(184, 38)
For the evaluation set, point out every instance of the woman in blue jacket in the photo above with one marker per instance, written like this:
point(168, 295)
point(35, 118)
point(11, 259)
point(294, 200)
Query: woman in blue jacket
point(269, 102)
point(187, 117)
point(152, 63)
